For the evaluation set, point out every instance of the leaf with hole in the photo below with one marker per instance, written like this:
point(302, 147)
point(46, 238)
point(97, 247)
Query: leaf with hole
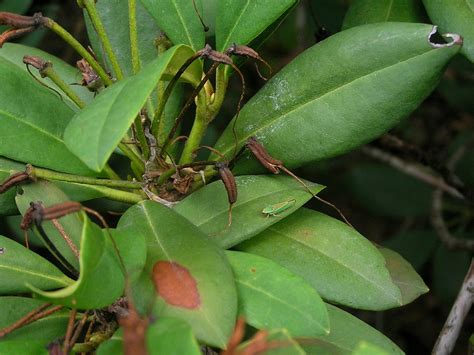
point(33, 120)
point(186, 276)
point(50, 195)
point(208, 207)
point(101, 280)
point(242, 21)
point(346, 333)
point(179, 20)
point(362, 12)
point(454, 16)
point(334, 258)
point(272, 297)
point(340, 93)
point(42, 331)
point(20, 267)
point(107, 119)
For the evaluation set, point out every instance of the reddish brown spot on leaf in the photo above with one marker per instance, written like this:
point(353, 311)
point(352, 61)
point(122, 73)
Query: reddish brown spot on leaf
point(253, 269)
point(175, 284)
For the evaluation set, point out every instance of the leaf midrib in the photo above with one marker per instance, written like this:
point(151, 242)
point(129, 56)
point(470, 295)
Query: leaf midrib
point(344, 266)
point(30, 272)
point(274, 119)
point(269, 295)
point(29, 124)
point(224, 44)
point(183, 23)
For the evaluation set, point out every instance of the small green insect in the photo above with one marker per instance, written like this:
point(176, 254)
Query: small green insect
point(276, 209)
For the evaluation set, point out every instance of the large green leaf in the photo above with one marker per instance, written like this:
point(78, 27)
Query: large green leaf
point(208, 207)
point(108, 118)
point(454, 16)
point(346, 333)
point(50, 195)
point(7, 199)
point(341, 264)
point(20, 267)
point(32, 122)
point(272, 297)
point(196, 280)
point(403, 275)
point(171, 336)
point(163, 336)
point(101, 280)
point(43, 330)
point(15, 52)
point(179, 20)
point(362, 12)
point(241, 21)
point(114, 17)
point(341, 93)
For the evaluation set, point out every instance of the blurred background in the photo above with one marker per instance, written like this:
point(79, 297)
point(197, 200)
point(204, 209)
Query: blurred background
point(375, 185)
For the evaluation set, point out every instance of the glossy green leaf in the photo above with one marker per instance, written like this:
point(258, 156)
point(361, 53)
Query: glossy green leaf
point(132, 249)
point(20, 267)
point(241, 21)
point(164, 336)
point(454, 16)
point(15, 52)
point(281, 343)
point(7, 199)
point(114, 17)
point(362, 12)
point(179, 20)
point(208, 207)
point(346, 333)
point(403, 275)
point(415, 246)
point(334, 258)
point(43, 330)
point(272, 297)
point(10, 226)
point(101, 280)
point(386, 191)
point(50, 195)
point(32, 122)
point(108, 118)
point(340, 93)
point(23, 347)
point(171, 336)
point(204, 294)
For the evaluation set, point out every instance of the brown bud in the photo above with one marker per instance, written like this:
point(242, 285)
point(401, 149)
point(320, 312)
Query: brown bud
point(13, 180)
point(229, 181)
point(260, 153)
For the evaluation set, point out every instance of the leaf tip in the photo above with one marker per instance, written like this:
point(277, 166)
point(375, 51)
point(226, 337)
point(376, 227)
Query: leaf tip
point(438, 40)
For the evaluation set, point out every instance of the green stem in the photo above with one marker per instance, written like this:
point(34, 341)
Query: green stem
point(110, 173)
point(133, 157)
point(66, 36)
point(100, 29)
point(141, 137)
point(53, 175)
point(49, 72)
point(194, 139)
point(132, 18)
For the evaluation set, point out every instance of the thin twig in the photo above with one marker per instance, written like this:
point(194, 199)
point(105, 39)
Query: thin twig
point(415, 170)
point(450, 332)
point(23, 320)
point(70, 328)
point(68, 240)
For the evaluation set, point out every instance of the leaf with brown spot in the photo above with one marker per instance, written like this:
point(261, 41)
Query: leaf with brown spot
point(175, 284)
point(179, 250)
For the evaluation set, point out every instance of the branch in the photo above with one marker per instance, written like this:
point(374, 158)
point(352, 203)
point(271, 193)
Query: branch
point(450, 332)
point(412, 169)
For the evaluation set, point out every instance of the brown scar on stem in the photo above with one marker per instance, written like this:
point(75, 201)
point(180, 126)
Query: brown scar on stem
point(175, 284)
